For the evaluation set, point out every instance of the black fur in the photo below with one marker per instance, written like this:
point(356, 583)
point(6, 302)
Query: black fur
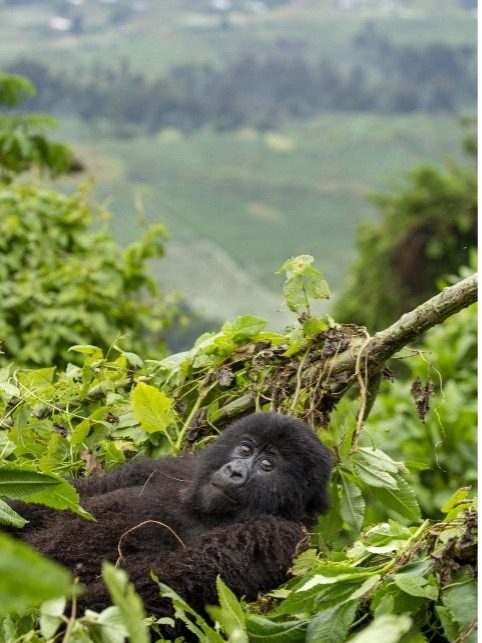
point(225, 511)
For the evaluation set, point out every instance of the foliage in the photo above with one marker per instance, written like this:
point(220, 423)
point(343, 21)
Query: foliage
point(427, 230)
point(23, 145)
point(408, 579)
point(64, 284)
point(442, 448)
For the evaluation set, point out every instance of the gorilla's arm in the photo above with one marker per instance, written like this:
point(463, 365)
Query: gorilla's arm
point(136, 472)
point(250, 557)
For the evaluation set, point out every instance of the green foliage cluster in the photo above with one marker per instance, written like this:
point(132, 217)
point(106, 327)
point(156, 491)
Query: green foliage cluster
point(404, 579)
point(64, 284)
point(442, 451)
point(23, 145)
point(262, 91)
point(427, 230)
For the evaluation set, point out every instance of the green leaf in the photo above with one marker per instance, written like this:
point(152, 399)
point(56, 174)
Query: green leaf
point(267, 631)
point(332, 624)
point(16, 482)
point(388, 628)
point(247, 327)
point(352, 504)
point(183, 611)
point(457, 503)
point(10, 517)
point(152, 408)
point(130, 605)
point(111, 625)
point(51, 613)
point(416, 586)
point(450, 626)
point(371, 473)
point(304, 562)
point(462, 603)
point(229, 615)
point(27, 579)
point(402, 500)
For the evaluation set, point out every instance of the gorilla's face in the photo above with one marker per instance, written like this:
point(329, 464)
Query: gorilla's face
point(251, 467)
point(264, 463)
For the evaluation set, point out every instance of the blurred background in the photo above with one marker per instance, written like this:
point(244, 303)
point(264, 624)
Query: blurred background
point(256, 130)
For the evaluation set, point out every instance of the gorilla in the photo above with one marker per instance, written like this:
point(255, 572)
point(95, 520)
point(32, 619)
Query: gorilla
point(236, 510)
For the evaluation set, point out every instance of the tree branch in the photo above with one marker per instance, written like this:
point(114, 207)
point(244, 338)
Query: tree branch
point(411, 325)
point(432, 312)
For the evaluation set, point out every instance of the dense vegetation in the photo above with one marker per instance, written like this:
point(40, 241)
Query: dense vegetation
point(261, 92)
point(394, 559)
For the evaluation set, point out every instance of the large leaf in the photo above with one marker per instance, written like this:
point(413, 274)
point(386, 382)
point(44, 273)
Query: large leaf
point(332, 624)
point(352, 504)
point(402, 500)
point(10, 517)
point(374, 468)
point(462, 603)
point(193, 621)
point(265, 631)
point(384, 629)
point(130, 605)
point(40, 488)
point(229, 615)
point(416, 586)
point(27, 579)
point(152, 408)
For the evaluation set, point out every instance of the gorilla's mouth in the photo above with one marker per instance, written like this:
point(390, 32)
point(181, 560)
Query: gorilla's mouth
point(222, 490)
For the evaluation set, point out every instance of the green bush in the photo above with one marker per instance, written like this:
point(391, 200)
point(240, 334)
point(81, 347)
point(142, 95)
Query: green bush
point(445, 442)
point(62, 283)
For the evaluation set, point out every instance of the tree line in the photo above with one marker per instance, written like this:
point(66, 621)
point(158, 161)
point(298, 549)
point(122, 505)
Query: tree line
point(260, 92)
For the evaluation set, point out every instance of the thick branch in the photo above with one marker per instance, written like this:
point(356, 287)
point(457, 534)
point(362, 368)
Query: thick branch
point(411, 325)
point(432, 312)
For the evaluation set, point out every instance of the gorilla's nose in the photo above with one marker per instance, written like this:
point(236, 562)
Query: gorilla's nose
point(235, 472)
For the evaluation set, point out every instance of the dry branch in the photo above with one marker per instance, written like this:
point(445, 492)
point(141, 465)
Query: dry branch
point(363, 358)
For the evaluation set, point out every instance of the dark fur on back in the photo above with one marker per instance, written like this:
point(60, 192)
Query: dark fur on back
point(249, 540)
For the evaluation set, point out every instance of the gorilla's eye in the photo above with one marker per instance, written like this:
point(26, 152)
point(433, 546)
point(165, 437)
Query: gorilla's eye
point(266, 464)
point(245, 450)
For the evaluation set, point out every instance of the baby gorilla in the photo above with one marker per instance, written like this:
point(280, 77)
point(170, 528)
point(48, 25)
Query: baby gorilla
point(235, 510)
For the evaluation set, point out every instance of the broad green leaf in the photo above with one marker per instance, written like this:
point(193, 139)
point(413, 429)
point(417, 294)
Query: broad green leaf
point(16, 482)
point(87, 349)
point(457, 503)
point(247, 327)
point(111, 625)
point(401, 500)
point(27, 579)
point(378, 459)
point(183, 611)
point(352, 504)
point(304, 562)
point(388, 628)
point(130, 605)
point(35, 385)
point(449, 624)
point(266, 631)
point(372, 475)
point(332, 624)
point(51, 616)
point(152, 408)
point(416, 586)
point(229, 615)
point(462, 603)
point(10, 517)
